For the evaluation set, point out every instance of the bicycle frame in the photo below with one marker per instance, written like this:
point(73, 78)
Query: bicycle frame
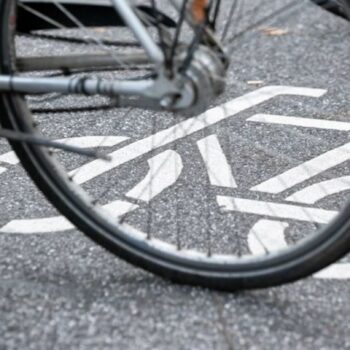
point(148, 88)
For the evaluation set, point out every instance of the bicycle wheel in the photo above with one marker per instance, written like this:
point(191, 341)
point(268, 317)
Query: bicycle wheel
point(144, 205)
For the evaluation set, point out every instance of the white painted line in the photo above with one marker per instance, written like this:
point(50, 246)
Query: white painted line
point(165, 169)
point(9, 158)
point(270, 235)
point(168, 163)
point(316, 192)
point(188, 127)
point(219, 170)
point(119, 208)
point(298, 121)
point(29, 226)
point(267, 236)
point(82, 141)
point(305, 171)
point(60, 223)
point(276, 210)
point(93, 141)
point(339, 271)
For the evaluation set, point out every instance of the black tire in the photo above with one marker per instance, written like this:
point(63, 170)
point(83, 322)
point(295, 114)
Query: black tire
point(327, 247)
point(340, 8)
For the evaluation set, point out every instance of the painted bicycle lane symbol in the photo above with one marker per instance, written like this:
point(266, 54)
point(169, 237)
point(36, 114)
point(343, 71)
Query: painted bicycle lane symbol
point(268, 233)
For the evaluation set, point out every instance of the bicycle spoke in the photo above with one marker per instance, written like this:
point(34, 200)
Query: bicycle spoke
point(42, 16)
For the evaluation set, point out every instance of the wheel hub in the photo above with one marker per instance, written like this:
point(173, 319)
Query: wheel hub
point(201, 82)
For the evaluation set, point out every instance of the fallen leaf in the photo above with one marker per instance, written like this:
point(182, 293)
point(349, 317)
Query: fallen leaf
point(255, 82)
point(274, 31)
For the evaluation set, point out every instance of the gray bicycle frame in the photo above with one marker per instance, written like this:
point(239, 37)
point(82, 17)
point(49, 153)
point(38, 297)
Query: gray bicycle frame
point(149, 88)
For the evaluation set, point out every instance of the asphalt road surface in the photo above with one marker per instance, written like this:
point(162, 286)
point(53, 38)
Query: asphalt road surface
point(58, 290)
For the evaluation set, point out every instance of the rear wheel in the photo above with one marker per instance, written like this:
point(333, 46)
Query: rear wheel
point(155, 205)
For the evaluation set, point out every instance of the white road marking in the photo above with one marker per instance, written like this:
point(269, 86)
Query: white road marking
point(316, 192)
point(165, 169)
point(219, 170)
point(188, 127)
point(170, 165)
point(9, 158)
point(267, 236)
point(276, 210)
point(305, 171)
point(94, 141)
point(119, 208)
point(313, 193)
point(271, 235)
point(30, 226)
point(298, 121)
point(265, 233)
point(339, 271)
point(81, 141)
point(60, 223)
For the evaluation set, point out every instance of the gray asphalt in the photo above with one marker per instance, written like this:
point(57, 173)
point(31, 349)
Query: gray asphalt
point(61, 291)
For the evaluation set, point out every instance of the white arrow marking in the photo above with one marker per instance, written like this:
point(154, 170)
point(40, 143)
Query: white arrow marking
point(276, 210)
point(316, 192)
point(303, 122)
point(188, 127)
point(305, 171)
point(165, 170)
point(219, 170)
point(267, 236)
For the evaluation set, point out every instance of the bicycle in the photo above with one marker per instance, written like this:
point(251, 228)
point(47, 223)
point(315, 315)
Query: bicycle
point(131, 201)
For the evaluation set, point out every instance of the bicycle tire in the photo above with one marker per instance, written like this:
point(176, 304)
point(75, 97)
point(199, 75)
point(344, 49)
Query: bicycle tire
point(339, 8)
